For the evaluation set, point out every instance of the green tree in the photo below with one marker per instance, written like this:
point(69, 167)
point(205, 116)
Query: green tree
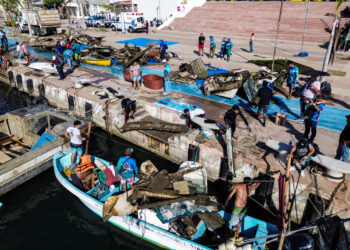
point(107, 7)
point(53, 3)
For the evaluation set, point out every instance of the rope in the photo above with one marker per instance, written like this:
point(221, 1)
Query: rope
point(333, 194)
point(262, 206)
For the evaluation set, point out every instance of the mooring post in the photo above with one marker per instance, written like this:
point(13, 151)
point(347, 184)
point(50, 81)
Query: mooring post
point(230, 150)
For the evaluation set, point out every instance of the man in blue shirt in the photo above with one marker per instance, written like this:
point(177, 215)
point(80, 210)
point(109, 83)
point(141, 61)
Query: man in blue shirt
point(163, 48)
point(312, 115)
point(212, 47)
point(229, 46)
point(127, 169)
point(292, 78)
point(223, 49)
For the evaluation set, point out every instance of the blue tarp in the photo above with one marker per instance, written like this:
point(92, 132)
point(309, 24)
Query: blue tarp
point(175, 104)
point(332, 118)
point(44, 139)
point(142, 42)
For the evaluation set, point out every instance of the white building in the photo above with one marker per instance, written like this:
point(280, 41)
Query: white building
point(160, 9)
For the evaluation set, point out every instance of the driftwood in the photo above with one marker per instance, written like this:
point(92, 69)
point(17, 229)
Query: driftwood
point(158, 126)
point(164, 194)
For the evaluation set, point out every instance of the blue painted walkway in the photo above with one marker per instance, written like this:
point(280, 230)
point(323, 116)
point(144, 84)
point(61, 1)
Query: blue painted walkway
point(142, 42)
point(332, 118)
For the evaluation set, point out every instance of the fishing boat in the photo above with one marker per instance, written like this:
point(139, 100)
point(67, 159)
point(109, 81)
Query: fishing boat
point(146, 223)
point(29, 137)
point(99, 62)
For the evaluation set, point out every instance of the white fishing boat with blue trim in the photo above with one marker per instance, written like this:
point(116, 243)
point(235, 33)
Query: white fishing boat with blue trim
point(146, 223)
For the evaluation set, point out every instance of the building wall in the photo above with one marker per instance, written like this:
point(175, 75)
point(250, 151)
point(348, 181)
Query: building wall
point(160, 9)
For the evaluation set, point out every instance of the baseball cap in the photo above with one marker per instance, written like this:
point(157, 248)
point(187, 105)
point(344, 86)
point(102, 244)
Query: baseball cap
point(129, 151)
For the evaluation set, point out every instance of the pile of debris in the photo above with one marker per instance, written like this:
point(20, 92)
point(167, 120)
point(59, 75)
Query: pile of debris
point(227, 84)
point(177, 198)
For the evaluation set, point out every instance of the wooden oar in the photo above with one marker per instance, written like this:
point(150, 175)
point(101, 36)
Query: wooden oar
point(283, 235)
point(88, 139)
point(86, 152)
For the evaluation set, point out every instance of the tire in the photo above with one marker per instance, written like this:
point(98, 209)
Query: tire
point(98, 25)
point(130, 30)
point(114, 28)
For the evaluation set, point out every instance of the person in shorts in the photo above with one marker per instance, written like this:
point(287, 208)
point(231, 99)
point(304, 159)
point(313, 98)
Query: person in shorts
point(127, 169)
point(292, 78)
point(76, 141)
point(129, 108)
point(136, 76)
point(201, 41)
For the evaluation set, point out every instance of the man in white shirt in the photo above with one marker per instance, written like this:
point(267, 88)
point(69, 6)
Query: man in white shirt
point(195, 111)
point(76, 141)
point(311, 89)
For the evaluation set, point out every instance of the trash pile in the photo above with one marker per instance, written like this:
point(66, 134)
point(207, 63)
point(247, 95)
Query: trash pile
point(177, 199)
point(212, 80)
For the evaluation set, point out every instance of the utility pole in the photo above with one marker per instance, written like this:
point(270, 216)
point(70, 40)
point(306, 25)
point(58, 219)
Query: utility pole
point(276, 39)
point(305, 25)
point(28, 21)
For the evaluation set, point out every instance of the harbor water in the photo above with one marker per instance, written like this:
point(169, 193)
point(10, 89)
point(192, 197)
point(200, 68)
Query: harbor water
point(41, 214)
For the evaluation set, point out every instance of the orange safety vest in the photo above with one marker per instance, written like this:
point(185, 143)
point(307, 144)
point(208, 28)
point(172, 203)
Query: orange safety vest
point(85, 165)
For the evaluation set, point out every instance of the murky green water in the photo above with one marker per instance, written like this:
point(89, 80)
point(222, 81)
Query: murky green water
point(41, 214)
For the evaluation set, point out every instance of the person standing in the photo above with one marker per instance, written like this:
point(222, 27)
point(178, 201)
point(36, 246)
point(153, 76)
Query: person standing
point(166, 78)
point(292, 78)
point(25, 52)
point(310, 90)
point(163, 48)
point(59, 48)
point(229, 46)
point(231, 116)
point(313, 113)
point(127, 169)
point(265, 94)
point(147, 27)
point(19, 50)
point(344, 142)
point(212, 47)
point(136, 76)
point(129, 108)
point(58, 61)
point(242, 191)
point(68, 58)
point(223, 49)
point(76, 141)
point(251, 43)
point(76, 50)
point(4, 42)
point(201, 41)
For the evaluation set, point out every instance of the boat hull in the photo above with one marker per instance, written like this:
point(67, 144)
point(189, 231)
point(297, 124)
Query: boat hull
point(107, 62)
point(130, 224)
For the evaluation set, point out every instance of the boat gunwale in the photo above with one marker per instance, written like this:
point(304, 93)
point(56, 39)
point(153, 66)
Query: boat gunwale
point(75, 189)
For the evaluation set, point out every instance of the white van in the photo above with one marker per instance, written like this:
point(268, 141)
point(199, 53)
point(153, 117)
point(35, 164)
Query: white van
point(133, 22)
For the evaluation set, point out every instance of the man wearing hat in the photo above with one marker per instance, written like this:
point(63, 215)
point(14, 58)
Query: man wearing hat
point(163, 48)
point(344, 142)
point(127, 169)
point(312, 116)
point(212, 47)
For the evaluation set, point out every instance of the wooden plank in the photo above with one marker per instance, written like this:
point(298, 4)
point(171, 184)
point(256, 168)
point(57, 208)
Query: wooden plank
point(4, 157)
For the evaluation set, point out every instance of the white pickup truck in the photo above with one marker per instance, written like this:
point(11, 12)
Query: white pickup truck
point(42, 22)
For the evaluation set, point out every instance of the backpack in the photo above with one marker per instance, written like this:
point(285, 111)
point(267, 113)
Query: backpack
point(326, 90)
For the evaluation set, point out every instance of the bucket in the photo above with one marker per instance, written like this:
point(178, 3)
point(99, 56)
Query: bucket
point(127, 75)
point(154, 82)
